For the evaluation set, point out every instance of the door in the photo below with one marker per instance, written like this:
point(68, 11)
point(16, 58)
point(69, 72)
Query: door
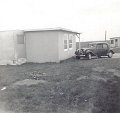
point(99, 49)
point(105, 49)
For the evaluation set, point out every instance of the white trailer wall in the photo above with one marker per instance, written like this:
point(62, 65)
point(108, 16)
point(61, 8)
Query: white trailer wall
point(6, 47)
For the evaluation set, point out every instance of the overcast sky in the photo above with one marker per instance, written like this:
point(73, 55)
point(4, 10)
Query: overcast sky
point(90, 17)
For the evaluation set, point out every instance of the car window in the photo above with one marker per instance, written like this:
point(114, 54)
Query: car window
point(99, 46)
point(105, 46)
point(92, 45)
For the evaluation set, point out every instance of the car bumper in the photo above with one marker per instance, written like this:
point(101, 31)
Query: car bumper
point(81, 55)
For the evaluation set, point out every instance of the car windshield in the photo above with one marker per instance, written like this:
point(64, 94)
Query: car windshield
point(92, 45)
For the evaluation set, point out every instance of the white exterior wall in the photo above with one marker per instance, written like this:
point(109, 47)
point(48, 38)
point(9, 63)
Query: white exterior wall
point(42, 46)
point(119, 42)
point(70, 52)
point(9, 49)
point(6, 47)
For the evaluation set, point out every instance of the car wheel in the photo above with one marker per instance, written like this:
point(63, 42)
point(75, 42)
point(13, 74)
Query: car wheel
point(89, 56)
point(110, 54)
point(77, 57)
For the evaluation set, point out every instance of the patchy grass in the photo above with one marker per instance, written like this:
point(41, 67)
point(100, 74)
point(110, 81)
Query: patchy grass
point(72, 86)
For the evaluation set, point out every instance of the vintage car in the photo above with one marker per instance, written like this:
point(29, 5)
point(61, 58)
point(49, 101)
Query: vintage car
point(97, 49)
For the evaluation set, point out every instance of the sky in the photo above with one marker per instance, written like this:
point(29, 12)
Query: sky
point(89, 17)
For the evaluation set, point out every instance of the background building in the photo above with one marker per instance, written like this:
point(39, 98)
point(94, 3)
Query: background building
point(115, 42)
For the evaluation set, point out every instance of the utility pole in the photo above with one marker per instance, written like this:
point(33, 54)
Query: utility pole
point(105, 35)
point(78, 35)
point(79, 42)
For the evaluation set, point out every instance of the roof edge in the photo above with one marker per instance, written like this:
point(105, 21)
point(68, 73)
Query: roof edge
point(52, 29)
point(115, 37)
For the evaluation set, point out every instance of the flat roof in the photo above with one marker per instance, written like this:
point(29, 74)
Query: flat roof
point(114, 37)
point(52, 29)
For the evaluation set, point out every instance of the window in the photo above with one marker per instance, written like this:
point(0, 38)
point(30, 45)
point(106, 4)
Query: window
point(116, 40)
point(105, 46)
point(20, 39)
point(99, 46)
point(112, 41)
point(65, 42)
point(91, 45)
point(70, 41)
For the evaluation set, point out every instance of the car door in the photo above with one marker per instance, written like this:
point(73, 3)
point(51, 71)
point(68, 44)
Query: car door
point(92, 48)
point(105, 49)
point(99, 49)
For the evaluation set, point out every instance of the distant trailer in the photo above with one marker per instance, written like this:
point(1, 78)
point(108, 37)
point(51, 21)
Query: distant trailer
point(115, 42)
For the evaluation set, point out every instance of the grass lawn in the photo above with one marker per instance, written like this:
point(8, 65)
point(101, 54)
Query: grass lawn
point(72, 86)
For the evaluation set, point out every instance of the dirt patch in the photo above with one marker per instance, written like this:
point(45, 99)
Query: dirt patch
point(81, 78)
point(29, 82)
point(114, 71)
point(98, 69)
point(111, 70)
point(94, 77)
point(117, 74)
point(3, 111)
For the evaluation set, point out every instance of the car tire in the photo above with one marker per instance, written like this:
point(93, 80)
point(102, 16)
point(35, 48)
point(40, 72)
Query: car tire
point(110, 54)
point(97, 56)
point(89, 56)
point(77, 57)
